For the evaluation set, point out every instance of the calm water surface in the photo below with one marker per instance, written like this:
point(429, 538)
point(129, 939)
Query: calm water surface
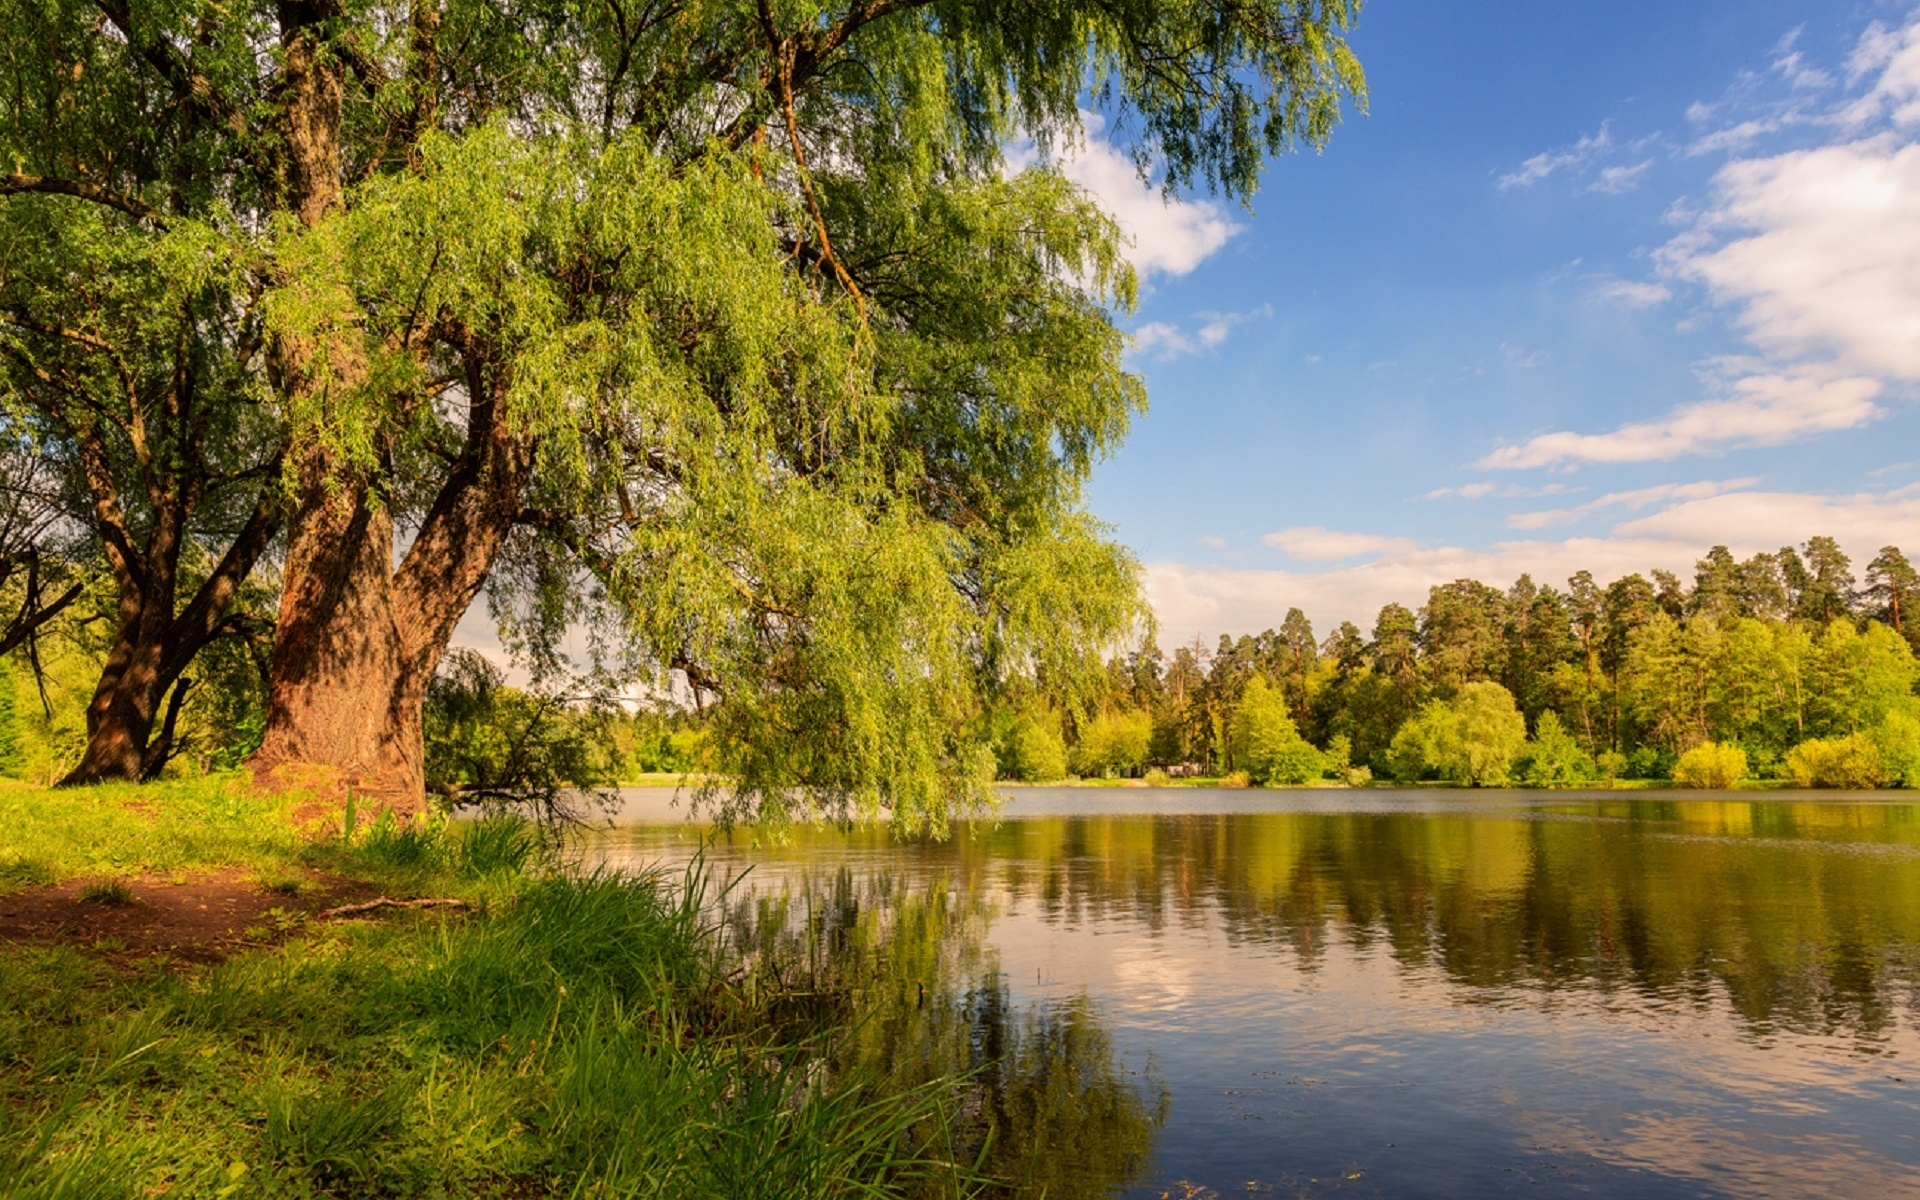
point(1183, 993)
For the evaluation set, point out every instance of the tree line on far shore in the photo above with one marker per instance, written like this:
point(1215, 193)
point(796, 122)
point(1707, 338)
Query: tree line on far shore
point(1784, 666)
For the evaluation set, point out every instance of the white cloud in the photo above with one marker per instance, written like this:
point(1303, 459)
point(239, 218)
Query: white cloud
point(1759, 410)
point(1503, 491)
point(1632, 293)
point(1212, 542)
point(1894, 55)
point(1171, 236)
point(1164, 340)
point(1548, 163)
point(1818, 251)
point(1615, 180)
point(1311, 543)
point(1193, 600)
point(1634, 500)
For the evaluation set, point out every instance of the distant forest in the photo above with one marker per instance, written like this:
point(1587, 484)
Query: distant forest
point(1784, 666)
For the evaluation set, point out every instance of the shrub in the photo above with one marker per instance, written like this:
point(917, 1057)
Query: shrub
point(1554, 758)
point(1237, 779)
point(1851, 762)
point(1898, 737)
point(1158, 778)
point(1711, 765)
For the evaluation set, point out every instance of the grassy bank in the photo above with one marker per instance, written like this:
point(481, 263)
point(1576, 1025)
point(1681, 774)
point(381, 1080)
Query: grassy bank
point(562, 1034)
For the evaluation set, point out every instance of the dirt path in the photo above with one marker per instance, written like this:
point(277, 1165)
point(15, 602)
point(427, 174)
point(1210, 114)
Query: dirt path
point(205, 918)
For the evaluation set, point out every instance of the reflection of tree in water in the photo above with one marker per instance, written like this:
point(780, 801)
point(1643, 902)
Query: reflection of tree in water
point(1674, 902)
point(1041, 1091)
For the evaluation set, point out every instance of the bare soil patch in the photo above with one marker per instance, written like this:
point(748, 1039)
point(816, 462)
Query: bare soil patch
point(204, 918)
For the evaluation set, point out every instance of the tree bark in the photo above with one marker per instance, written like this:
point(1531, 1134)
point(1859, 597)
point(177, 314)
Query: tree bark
point(358, 639)
point(153, 646)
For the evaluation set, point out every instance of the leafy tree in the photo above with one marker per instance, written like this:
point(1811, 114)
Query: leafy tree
point(732, 309)
point(1461, 636)
point(1264, 741)
point(1036, 752)
point(11, 760)
point(1492, 735)
point(1892, 593)
point(1711, 765)
point(1427, 745)
point(1825, 594)
point(1897, 737)
point(1553, 758)
point(487, 743)
point(1114, 742)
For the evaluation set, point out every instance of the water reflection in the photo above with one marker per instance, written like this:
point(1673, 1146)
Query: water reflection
point(1047, 1107)
point(1585, 996)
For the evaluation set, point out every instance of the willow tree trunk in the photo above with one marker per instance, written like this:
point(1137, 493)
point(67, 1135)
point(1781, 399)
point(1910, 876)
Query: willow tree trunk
point(358, 637)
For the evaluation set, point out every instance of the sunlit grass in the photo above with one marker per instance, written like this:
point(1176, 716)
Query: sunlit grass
point(566, 1034)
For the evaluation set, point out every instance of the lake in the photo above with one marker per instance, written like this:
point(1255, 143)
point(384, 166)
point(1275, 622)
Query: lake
point(1189, 993)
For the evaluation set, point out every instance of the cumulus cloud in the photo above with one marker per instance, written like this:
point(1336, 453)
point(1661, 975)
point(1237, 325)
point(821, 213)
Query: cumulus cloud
point(1170, 236)
point(1815, 253)
point(1818, 253)
point(1757, 410)
point(1195, 600)
point(1311, 543)
point(1634, 500)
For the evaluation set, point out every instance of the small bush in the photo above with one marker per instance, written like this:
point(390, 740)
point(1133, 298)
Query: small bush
point(1711, 765)
point(1157, 778)
point(1852, 762)
point(1237, 779)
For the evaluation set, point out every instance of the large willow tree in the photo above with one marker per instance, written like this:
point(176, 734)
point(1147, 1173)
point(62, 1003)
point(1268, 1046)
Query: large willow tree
point(720, 328)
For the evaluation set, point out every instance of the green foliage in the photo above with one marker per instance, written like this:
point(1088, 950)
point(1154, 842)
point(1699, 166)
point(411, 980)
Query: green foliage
point(1851, 762)
point(1113, 743)
point(1265, 743)
point(1424, 746)
point(1553, 758)
point(12, 758)
point(1492, 734)
point(1898, 739)
point(1032, 749)
point(1711, 765)
point(490, 743)
point(1473, 740)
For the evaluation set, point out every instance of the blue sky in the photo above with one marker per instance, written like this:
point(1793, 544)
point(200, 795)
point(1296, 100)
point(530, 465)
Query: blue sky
point(1589, 286)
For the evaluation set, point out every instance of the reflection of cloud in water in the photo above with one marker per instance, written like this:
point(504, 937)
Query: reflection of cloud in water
point(1604, 996)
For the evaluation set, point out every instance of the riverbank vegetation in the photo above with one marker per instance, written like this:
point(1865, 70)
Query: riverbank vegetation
point(1783, 667)
point(539, 1031)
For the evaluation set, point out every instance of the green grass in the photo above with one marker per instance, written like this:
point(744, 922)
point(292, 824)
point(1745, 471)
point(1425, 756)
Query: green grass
point(51, 834)
point(570, 1034)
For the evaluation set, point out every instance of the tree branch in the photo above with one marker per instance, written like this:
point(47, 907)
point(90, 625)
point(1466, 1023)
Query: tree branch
point(14, 185)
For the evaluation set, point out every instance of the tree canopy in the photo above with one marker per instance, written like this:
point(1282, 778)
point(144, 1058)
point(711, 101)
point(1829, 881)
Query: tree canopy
point(720, 328)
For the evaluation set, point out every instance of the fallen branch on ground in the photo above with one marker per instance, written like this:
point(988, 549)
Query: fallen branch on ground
point(355, 910)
